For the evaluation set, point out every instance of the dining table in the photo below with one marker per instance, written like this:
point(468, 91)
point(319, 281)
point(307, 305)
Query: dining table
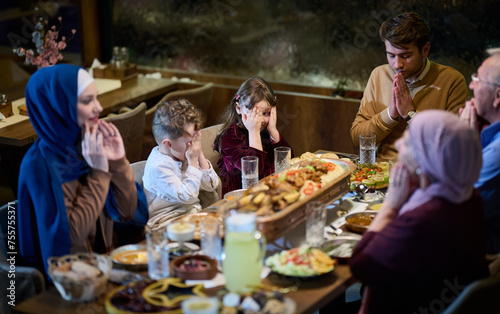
point(312, 293)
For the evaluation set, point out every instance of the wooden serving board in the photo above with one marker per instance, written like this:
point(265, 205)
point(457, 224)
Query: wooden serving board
point(278, 224)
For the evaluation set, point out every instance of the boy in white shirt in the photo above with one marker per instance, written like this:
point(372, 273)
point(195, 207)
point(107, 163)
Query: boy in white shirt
point(176, 169)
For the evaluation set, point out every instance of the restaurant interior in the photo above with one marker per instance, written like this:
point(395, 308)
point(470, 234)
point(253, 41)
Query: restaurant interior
point(316, 55)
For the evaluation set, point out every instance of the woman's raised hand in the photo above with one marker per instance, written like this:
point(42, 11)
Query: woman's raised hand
point(92, 149)
point(400, 188)
point(113, 147)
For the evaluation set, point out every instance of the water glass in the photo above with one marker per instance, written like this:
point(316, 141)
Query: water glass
point(249, 171)
point(315, 224)
point(211, 243)
point(282, 156)
point(367, 147)
point(158, 255)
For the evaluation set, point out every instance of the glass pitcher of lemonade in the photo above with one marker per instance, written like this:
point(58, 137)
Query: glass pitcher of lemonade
point(244, 249)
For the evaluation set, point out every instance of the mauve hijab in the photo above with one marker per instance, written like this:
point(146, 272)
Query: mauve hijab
point(448, 151)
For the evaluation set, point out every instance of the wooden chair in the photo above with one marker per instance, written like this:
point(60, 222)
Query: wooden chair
point(207, 143)
point(201, 97)
point(480, 296)
point(131, 124)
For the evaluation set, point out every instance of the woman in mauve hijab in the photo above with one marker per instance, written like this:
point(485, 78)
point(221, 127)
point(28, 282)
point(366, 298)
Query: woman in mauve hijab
point(75, 179)
point(428, 241)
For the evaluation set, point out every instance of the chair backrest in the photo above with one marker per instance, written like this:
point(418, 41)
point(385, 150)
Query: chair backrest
point(138, 168)
point(201, 97)
point(131, 126)
point(207, 143)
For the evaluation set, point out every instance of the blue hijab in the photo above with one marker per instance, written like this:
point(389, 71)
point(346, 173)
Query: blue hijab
point(54, 158)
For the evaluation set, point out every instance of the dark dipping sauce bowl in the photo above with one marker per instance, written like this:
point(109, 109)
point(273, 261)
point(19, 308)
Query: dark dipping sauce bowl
point(207, 271)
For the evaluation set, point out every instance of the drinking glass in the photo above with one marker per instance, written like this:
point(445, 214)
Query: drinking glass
point(367, 147)
point(282, 156)
point(210, 237)
point(158, 255)
point(249, 171)
point(315, 225)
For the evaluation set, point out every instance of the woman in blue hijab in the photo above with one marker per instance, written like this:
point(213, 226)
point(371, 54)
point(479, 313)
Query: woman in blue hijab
point(75, 179)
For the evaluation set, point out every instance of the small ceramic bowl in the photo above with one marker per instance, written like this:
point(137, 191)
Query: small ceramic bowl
point(203, 274)
point(131, 257)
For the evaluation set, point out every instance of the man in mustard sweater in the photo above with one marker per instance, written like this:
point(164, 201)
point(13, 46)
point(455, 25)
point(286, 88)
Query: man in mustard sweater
point(407, 84)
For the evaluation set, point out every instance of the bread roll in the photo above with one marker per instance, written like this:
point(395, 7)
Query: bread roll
point(330, 156)
point(308, 155)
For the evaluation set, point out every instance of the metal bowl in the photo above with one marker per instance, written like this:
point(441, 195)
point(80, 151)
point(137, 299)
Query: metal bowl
point(234, 194)
point(130, 248)
point(341, 247)
point(359, 222)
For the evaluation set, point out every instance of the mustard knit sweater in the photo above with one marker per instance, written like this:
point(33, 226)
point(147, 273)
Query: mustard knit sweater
point(441, 88)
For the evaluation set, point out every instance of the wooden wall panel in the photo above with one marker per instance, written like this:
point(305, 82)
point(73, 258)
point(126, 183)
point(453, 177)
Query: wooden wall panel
point(308, 122)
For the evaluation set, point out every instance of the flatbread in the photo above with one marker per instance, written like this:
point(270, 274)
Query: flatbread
point(308, 155)
point(330, 156)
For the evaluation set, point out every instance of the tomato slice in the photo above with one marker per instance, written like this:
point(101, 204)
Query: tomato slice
point(309, 189)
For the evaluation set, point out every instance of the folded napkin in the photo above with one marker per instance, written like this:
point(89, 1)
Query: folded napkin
point(95, 64)
point(2, 116)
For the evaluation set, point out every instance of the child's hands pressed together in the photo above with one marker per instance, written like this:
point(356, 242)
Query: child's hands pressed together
point(93, 150)
point(194, 150)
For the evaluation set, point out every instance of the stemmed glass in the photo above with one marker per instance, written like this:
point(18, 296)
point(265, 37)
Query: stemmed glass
point(181, 232)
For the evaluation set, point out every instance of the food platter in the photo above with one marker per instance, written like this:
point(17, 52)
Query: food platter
point(162, 296)
point(374, 176)
point(274, 225)
point(131, 257)
point(258, 301)
point(301, 263)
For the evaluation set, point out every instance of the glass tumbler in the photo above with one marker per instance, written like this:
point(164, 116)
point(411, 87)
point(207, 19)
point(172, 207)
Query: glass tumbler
point(158, 255)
